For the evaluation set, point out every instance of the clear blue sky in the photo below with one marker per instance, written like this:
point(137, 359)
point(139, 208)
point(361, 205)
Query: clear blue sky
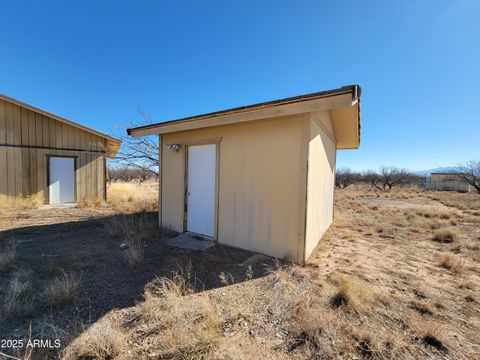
point(97, 62)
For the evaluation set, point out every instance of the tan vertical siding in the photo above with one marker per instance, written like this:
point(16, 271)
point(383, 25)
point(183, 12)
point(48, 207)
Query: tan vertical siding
point(3, 153)
point(100, 178)
point(25, 153)
point(46, 131)
point(32, 140)
point(9, 122)
point(17, 152)
point(3, 123)
point(41, 192)
point(77, 141)
point(23, 167)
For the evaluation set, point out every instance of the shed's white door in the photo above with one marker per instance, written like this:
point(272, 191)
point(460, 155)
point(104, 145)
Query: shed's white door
point(201, 175)
point(62, 180)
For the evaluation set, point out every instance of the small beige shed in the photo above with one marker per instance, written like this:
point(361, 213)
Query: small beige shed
point(258, 177)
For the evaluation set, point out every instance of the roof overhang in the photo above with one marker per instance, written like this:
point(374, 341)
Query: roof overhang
point(344, 104)
point(112, 144)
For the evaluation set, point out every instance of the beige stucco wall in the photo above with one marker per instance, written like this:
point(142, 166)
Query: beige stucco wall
point(320, 179)
point(261, 183)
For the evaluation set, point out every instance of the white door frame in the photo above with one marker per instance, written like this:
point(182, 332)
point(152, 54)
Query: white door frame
point(48, 156)
point(215, 142)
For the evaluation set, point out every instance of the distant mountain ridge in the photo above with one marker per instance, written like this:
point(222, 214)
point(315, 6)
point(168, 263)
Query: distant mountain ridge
point(446, 169)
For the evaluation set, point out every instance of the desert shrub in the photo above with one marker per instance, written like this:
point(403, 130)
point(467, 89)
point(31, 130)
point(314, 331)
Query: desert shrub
point(63, 289)
point(445, 236)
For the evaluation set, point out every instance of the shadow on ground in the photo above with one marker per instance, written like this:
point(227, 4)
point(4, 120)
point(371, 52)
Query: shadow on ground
point(85, 248)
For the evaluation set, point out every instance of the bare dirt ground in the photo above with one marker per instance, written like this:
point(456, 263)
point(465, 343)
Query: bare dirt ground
point(396, 276)
point(68, 270)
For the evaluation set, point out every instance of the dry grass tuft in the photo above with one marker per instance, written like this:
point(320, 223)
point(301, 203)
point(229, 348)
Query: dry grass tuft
point(103, 340)
point(470, 298)
point(420, 307)
point(430, 334)
point(133, 230)
point(445, 236)
point(366, 344)
point(18, 298)
point(7, 257)
point(293, 302)
point(62, 290)
point(457, 248)
point(87, 204)
point(444, 215)
point(381, 228)
point(32, 202)
point(189, 326)
point(450, 261)
point(352, 294)
point(226, 278)
point(135, 252)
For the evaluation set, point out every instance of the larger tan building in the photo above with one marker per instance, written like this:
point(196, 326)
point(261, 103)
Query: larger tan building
point(258, 177)
point(49, 158)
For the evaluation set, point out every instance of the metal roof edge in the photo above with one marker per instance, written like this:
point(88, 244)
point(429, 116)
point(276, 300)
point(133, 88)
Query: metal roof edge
point(354, 89)
point(59, 118)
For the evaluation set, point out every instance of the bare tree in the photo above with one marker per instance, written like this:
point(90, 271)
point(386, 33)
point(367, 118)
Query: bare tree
point(344, 177)
point(390, 176)
point(126, 174)
point(137, 152)
point(370, 177)
point(470, 172)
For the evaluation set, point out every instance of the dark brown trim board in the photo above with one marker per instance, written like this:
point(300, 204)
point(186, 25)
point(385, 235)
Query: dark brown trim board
point(51, 148)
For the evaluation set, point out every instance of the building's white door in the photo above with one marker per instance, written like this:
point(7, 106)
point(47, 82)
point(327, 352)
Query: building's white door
point(61, 180)
point(201, 189)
